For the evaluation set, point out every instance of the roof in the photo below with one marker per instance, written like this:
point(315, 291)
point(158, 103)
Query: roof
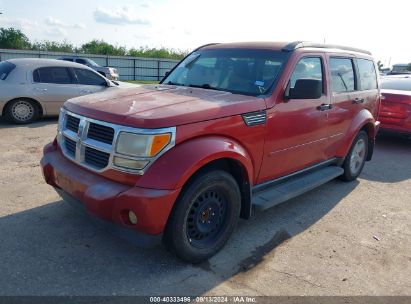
point(282, 46)
point(40, 62)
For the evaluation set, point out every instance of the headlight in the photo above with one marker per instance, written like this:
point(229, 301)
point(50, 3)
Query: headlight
point(141, 145)
point(61, 118)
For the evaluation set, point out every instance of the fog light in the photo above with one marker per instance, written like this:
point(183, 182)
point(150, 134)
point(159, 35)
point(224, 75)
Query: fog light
point(130, 163)
point(132, 217)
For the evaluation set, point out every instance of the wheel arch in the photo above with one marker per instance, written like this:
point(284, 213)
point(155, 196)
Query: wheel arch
point(184, 162)
point(237, 171)
point(363, 121)
point(37, 103)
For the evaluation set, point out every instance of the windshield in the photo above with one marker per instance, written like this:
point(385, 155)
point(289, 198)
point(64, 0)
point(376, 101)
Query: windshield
point(5, 69)
point(241, 71)
point(92, 63)
point(402, 84)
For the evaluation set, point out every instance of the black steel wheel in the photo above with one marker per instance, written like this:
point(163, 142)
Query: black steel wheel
point(204, 216)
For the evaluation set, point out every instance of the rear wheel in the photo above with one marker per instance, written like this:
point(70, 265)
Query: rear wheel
point(22, 111)
point(355, 160)
point(204, 217)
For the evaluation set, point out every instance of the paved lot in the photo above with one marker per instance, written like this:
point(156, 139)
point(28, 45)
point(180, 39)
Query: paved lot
point(320, 243)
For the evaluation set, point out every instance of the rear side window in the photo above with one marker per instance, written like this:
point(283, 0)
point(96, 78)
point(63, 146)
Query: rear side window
point(307, 68)
point(342, 75)
point(57, 75)
point(81, 61)
point(368, 76)
point(5, 69)
point(68, 59)
point(87, 77)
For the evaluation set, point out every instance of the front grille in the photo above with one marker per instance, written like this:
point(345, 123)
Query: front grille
point(101, 133)
point(96, 158)
point(90, 143)
point(72, 123)
point(70, 146)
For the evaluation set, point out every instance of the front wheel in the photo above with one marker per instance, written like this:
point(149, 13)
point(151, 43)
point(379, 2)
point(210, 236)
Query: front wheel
point(204, 217)
point(355, 159)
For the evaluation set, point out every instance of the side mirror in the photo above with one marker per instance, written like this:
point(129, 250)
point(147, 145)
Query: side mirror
point(306, 89)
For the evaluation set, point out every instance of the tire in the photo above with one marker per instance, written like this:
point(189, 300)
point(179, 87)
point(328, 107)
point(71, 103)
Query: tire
point(204, 216)
point(21, 111)
point(356, 157)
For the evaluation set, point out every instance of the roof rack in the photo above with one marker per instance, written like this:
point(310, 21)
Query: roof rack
point(302, 44)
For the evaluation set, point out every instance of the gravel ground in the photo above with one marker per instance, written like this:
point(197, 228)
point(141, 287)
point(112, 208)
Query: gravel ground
point(340, 239)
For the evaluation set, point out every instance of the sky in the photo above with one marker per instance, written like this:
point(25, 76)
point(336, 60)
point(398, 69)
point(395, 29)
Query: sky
point(381, 27)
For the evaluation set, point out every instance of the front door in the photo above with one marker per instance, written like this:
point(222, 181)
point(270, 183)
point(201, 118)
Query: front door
point(89, 81)
point(297, 128)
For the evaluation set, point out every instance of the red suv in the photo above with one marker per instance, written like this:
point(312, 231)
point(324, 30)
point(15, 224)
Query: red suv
point(231, 129)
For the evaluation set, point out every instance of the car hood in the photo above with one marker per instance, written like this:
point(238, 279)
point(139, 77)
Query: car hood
point(160, 106)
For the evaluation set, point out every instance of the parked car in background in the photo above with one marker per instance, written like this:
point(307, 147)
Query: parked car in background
point(232, 128)
point(108, 72)
point(400, 69)
point(395, 113)
point(31, 88)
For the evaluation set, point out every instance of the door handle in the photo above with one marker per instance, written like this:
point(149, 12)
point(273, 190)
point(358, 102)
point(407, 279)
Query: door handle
point(85, 91)
point(325, 107)
point(358, 100)
point(41, 90)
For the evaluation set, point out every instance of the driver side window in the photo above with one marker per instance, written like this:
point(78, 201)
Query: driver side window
point(307, 68)
point(87, 77)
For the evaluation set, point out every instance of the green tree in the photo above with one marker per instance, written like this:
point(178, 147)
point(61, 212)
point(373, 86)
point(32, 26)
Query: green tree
point(157, 53)
point(103, 48)
point(11, 38)
point(15, 39)
point(53, 46)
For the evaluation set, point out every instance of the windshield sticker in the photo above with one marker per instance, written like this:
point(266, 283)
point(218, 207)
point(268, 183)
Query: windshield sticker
point(259, 83)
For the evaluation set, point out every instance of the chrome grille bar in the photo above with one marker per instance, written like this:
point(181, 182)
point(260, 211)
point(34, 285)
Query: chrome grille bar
point(95, 149)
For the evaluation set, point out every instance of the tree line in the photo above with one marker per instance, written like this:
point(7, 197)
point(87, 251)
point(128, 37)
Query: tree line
point(11, 38)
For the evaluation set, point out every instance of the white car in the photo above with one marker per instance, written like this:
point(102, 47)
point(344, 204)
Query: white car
point(31, 88)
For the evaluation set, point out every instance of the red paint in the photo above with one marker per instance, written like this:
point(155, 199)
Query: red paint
point(210, 127)
point(395, 113)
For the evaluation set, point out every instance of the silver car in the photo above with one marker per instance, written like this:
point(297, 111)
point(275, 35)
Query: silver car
point(108, 72)
point(31, 88)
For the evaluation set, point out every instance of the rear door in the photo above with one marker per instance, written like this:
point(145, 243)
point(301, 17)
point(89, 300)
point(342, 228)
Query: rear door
point(297, 128)
point(344, 93)
point(52, 86)
point(89, 82)
point(353, 88)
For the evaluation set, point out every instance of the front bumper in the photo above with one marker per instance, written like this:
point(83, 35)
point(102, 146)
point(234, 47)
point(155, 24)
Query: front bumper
point(112, 76)
point(106, 199)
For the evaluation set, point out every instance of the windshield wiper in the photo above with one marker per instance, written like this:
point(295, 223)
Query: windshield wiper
point(174, 83)
point(204, 86)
